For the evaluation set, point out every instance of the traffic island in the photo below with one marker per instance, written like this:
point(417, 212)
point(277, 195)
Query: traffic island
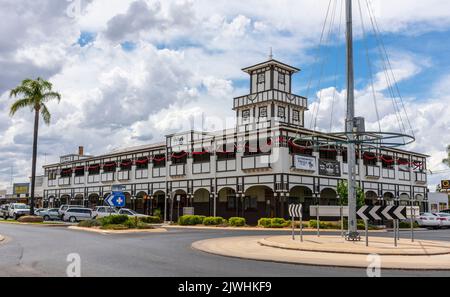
point(333, 251)
point(117, 231)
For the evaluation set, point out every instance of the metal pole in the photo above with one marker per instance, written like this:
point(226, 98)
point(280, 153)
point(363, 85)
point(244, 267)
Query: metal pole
point(367, 232)
point(352, 223)
point(342, 220)
point(318, 219)
point(413, 213)
point(293, 227)
point(395, 235)
point(301, 228)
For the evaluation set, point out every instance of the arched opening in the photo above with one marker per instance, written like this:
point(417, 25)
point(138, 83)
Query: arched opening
point(77, 200)
point(51, 201)
point(227, 203)
point(328, 197)
point(405, 199)
point(158, 204)
point(420, 201)
point(64, 200)
point(140, 204)
point(371, 198)
point(179, 201)
point(389, 198)
point(93, 200)
point(259, 202)
point(304, 196)
point(202, 203)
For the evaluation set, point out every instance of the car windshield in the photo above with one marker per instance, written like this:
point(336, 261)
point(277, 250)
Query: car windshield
point(19, 206)
point(129, 211)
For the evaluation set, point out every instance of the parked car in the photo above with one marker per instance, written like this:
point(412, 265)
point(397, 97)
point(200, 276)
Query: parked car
point(62, 210)
point(17, 210)
point(446, 211)
point(131, 213)
point(429, 220)
point(77, 214)
point(445, 219)
point(49, 214)
point(103, 211)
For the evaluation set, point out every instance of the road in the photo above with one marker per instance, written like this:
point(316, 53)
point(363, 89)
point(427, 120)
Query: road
point(42, 251)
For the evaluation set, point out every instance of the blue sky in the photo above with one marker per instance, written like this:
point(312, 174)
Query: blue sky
point(153, 65)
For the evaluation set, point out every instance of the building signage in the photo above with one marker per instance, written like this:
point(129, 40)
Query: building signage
point(305, 163)
point(329, 168)
point(445, 185)
point(21, 189)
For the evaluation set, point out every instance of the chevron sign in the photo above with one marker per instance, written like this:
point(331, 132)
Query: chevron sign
point(295, 210)
point(378, 213)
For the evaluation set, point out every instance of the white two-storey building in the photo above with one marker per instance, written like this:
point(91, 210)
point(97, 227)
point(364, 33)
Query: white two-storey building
point(252, 171)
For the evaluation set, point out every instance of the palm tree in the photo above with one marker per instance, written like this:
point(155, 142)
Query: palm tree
point(34, 94)
point(447, 161)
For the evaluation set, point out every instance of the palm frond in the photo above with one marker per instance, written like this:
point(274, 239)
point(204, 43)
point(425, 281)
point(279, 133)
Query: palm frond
point(23, 90)
point(51, 96)
point(45, 114)
point(20, 104)
point(44, 85)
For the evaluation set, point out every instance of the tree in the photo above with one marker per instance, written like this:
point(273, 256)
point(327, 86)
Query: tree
point(34, 94)
point(447, 161)
point(342, 190)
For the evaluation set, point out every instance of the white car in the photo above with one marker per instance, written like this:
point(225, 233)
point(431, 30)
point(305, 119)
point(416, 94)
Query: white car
point(77, 214)
point(17, 210)
point(445, 219)
point(429, 220)
point(131, 213)
point(103, 211)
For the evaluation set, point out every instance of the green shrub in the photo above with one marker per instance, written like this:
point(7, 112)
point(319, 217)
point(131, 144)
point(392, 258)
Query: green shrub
point(157, 213)
point(114, 220)
point(407, 225)
point(191, 220)
point(30, 219)
point(150, 220)
point(273, 223)
point(114, 227)
point(90, 224)
point(236, 222)
point(325, 225)
point(213, 221)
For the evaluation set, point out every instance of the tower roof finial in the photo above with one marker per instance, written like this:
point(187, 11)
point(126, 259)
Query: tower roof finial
point(271, 54)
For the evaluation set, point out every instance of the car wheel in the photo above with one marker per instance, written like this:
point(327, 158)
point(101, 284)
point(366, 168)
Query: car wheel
point(46, 218)
point(72, 219)
point(16, 217)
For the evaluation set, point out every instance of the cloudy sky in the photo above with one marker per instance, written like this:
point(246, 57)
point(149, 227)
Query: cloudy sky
point(132, 71)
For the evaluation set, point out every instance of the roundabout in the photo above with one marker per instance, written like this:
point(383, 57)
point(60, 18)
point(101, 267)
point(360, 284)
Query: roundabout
point(333, 251)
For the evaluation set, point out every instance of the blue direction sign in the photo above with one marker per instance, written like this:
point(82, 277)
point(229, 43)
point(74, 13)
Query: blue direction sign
point(116, 199)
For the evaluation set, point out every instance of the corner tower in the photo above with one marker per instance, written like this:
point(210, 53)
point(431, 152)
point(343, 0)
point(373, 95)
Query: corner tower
point(270, 101)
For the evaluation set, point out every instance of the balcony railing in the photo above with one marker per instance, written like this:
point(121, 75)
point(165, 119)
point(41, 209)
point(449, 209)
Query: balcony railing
point(141, 173)
point(178, 170)
point(79, 180)
point(123, 175)
point(200, 168)
point(421, 177)
point(389, 173)
point(64, 181)
point(159, 172)
point(226, 165)
point(404, 175)
point(373, 171)
point(256, 162)
point(52, 182)
point(92, 179)
point(107, 177)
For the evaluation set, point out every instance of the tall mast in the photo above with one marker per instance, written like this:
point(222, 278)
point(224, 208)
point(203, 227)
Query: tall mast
point(352, 223)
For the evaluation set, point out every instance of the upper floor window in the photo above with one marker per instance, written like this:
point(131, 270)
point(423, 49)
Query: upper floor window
point(246, 115)
point(159, 161)
point(94, 169)
point(52, 175)
point(261, 78)
point(387, 162)
point(281, 112)
point(281, 78)
point(226, 153)
point(263, 112)
point(142, 163)
point(79, 171)
point(126, 165)
point(109, 167)
point(201, 157)
point(328, 154)
point(179, 158)
point(66, 172)
point(296, 116)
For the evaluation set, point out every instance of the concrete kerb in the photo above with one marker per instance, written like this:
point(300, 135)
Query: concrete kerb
point(134, 231)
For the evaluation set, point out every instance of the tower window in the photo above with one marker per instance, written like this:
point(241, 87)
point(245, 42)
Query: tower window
point(296, 116)
point(281, 112)
point(281, 78)
point(261, 78)
point(263, 112)
point(246, 115)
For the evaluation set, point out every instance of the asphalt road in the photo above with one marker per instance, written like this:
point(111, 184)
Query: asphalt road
point(43, 251)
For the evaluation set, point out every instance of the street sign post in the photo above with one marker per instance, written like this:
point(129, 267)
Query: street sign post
point(387, 213)
point(295, 211)
point(116, 199)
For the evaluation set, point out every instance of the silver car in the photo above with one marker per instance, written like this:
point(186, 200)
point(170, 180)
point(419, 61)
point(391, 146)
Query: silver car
point(77, 214)
point(62, 209)
point(49, 214)
point(131, 213)
point(104, 211)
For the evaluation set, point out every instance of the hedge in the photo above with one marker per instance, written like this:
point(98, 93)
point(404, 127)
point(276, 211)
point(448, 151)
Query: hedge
point(114, 220)
point(90, 224)
point(30, 219)
point(273, 223)
point(150, 220)
point(191, 220)
point(236, 222)
point(213, 221)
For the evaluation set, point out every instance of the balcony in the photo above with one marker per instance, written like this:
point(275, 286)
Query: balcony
point(226, 165)
point(373, 171)
point(388, 173)
point(256, 162)
point(177, 170)
point(92, 179)
point(265, 96)
point(421, 178)
point(404, 175)
point(64, 181)
point(52, 183)
point(141, 173)
point(201, 168)
point(123, 175)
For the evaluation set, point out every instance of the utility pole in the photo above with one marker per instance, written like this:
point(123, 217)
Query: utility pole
point(350, 125)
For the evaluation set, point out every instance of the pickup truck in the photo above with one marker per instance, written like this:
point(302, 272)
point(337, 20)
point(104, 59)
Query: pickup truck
point(15, 211)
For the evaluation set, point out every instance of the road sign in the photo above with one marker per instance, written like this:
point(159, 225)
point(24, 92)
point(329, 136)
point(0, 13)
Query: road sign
point(116, 199)
point(295, 210)
point(378, 213)
point(445, 184)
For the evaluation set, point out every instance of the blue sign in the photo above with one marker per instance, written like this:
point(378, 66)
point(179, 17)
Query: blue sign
point(116, 199)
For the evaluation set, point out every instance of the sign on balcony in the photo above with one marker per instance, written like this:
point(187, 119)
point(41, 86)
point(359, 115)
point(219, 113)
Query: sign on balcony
point(329, 168)
point(305, 163)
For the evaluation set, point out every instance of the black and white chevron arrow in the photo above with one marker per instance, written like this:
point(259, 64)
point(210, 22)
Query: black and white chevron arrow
point(378, 213)
point(295, 210)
